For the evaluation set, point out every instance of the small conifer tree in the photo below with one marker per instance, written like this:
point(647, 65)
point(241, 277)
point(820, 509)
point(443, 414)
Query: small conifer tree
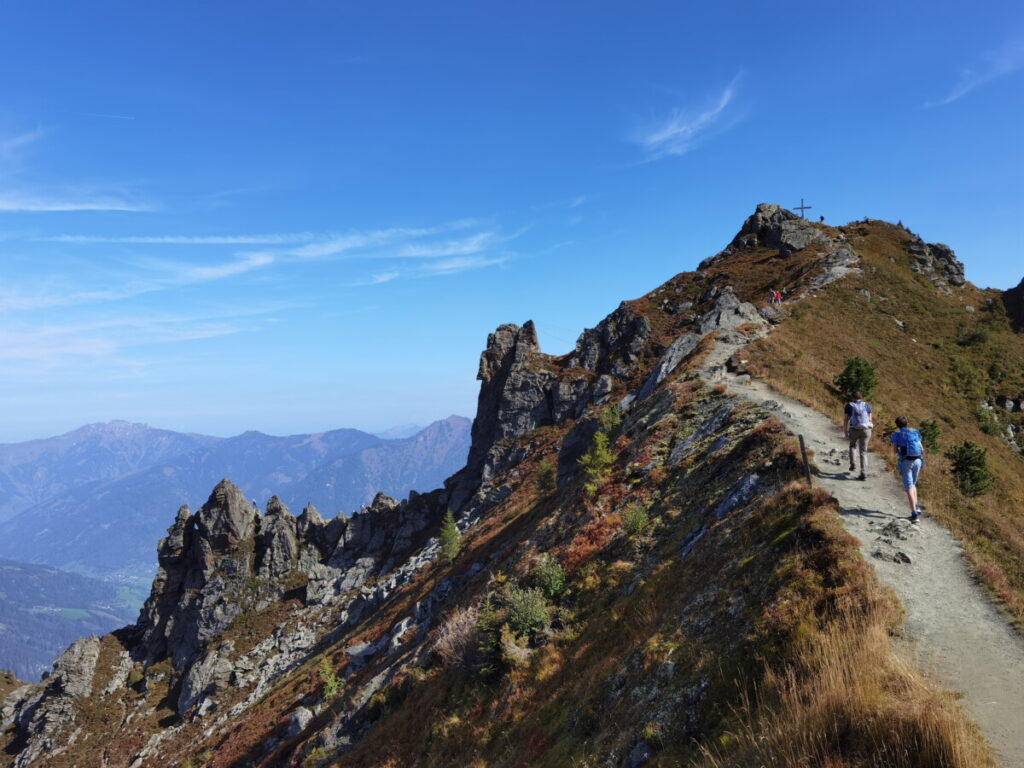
point(451, 539)
point(930, 434)
point(857, 376)
point(970, 466)
point(596, 462)
point(546, 475)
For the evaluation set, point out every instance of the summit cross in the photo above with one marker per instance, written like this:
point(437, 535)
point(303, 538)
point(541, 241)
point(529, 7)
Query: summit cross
point(802, 208)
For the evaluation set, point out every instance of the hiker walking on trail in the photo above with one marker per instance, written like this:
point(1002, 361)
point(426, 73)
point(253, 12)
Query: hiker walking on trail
point(910, 451)
point(857, 428)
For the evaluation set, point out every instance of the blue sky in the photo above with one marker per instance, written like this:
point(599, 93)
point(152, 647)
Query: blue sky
point(299, 216)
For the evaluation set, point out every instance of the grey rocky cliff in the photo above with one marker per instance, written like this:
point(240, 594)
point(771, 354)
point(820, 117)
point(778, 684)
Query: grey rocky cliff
point(937, 262)
point(48, 710)
point(522, 389)
point(227, 559)
point(615, 346)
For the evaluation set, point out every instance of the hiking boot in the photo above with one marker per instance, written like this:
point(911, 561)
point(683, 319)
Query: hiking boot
point(862, 476)
point(915, 515)
point(852, 467)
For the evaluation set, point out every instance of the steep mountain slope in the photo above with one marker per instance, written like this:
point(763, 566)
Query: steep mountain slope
point(643, 579)
point(42, 610)
point(36, 470)
point(108, 529)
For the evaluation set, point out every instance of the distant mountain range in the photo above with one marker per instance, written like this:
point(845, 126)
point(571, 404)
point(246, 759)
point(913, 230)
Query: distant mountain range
point(96, 500)
point(43, 609)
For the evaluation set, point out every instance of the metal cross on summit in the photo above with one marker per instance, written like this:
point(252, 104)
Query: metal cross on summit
point(802, 208)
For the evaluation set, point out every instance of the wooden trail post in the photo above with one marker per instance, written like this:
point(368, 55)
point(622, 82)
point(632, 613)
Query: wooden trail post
point(807, 467)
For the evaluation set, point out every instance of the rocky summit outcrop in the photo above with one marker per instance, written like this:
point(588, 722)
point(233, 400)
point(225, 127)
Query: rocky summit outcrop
point(937, 262)
point(772, 226)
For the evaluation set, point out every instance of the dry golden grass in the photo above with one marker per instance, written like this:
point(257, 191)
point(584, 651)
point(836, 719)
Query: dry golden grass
point(854, 701)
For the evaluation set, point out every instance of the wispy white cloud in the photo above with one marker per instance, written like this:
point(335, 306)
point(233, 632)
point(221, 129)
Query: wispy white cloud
point(460, 264)
point(31, 202)
point(379, 278)
point(435, 248)
point(12, 145)
point(220, 271)
point(159, 275)
point(30, 349)
point(680, 132)
point(287, 238)
point(458, 247)
point(1005, 60)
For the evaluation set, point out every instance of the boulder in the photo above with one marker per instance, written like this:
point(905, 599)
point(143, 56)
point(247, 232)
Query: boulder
point(729, 312)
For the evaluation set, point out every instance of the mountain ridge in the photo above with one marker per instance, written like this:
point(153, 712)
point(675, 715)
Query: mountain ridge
point(643, 575)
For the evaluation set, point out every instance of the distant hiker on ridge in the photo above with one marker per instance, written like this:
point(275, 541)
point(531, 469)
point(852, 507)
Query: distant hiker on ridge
point(910, 451)
point(857, 428)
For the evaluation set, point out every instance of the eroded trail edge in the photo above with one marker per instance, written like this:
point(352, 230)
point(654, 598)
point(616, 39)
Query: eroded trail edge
point(960, 636)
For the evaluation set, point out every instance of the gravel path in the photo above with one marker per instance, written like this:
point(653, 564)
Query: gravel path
point(962, 638)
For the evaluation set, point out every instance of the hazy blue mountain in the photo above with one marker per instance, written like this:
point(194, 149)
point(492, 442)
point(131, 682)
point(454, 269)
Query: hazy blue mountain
point(399, 432)
point(34, 471)
point(109, 528)
point(420, 463)
point(43, 610)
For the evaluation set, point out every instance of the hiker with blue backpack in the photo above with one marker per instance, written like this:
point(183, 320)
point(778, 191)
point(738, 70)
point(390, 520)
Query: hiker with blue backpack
point(910, 453)
point(857, 427)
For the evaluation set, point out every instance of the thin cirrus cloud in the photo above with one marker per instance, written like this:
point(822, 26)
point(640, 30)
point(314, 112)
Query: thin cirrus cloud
point(45, 346)
point(27, 202)
point(460, 264)
point(437, 250)
point(684, 128)
point(11, 146)
point(1005, 60)
point(159, 275)
point(266, 239)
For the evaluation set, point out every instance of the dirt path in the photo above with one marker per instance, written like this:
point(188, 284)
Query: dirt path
point(962, 638)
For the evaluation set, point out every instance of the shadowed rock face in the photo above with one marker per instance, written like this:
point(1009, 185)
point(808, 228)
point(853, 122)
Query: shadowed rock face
point(1013, 300)
point(521, 389)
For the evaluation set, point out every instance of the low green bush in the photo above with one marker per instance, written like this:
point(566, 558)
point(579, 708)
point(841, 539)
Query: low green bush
point(549, 577)
point(635, 520)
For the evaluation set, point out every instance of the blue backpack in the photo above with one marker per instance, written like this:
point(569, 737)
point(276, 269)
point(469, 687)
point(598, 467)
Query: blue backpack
point(908, 442)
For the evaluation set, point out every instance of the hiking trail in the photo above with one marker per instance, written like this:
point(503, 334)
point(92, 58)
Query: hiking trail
point(961, 637)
